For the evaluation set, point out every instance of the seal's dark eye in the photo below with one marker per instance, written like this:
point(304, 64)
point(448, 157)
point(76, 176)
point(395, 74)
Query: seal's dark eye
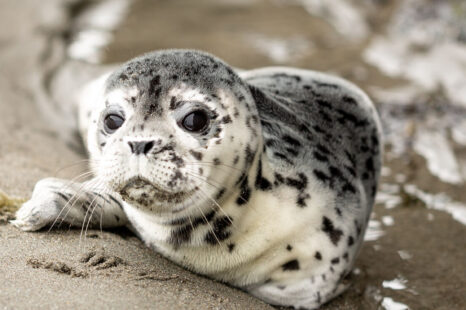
point(112, 122)
point(195, 121)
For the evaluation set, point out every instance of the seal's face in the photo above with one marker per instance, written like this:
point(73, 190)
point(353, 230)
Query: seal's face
point(176, 136)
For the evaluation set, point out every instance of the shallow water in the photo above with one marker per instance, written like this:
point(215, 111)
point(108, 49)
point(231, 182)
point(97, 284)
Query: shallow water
point(410, 56)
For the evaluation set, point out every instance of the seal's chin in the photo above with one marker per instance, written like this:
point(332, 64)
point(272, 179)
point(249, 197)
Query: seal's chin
point(143, 192)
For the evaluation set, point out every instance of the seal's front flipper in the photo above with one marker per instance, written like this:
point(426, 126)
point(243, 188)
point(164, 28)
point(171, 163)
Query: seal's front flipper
point(56, 201)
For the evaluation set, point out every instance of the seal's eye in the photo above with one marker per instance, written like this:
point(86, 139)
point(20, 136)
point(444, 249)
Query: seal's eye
point(195, 121)
point(112, 122)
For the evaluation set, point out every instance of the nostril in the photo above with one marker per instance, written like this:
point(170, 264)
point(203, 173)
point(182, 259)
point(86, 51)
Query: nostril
point(141, 147)
point(149, 145)
point(132, 147)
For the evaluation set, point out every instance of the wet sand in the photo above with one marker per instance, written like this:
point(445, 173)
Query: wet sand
point(113, 269)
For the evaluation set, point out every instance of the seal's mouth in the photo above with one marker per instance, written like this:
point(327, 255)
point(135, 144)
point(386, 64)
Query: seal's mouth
point(144, 192)
point(137, 183)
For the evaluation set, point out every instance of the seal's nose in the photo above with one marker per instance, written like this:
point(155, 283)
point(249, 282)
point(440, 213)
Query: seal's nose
point(141, 147)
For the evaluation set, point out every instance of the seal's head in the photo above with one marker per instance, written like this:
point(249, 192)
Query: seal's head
point(177, 130)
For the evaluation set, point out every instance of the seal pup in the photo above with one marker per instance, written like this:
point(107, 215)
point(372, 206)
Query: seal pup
point(263, 179)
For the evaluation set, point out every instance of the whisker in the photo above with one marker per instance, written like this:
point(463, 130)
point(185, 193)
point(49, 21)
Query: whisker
point(212, 164)
point(73, 201)
point(74, 164)
point(68, 184)
point(193, 174)
point(210, 225)
point(91, 213)
point(219, 207)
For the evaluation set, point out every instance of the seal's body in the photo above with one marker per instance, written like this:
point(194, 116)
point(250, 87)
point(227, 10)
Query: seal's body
point(263, 179)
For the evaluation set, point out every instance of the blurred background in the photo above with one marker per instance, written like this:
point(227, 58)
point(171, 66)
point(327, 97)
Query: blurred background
point(409, 55)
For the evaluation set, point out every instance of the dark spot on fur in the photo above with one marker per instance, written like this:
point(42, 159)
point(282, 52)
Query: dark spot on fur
point(321, 176)
point(283, 157)
point(197, 155)
point(318, 129)
point(288, 139)
point(179, 221)
point(370, 165)
point(335, 260)
point(266, 124)
point(320, 157)
point(278, 179)
point(154, 83)
point(289, 247)
point(292, 152)
point(324, 104)
point(349, 100)
point(177, 160)
point(320, 84)
point(152, 109)
point(249, 155)
point(345, 256)
point(318, 256)
point(217, 132)
point(291, 265)
point(351, 171)
point(333, 233)
point(168, 147)
point(348, 187)
point(219, 231)
point(301, 201)
point(323, 149)
point(220, 193)
point(261, 182)
point(173, 104)
point(181, 235)
point(300, 184)
point(325, 116)
point(226, 119)
point(245, 192)
point(271, 142)
point(231, 247)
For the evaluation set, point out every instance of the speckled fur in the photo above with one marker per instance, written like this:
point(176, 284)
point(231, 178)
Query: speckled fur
point(273, 198)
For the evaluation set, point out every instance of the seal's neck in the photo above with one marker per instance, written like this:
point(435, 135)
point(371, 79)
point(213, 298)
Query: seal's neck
point(220, 220)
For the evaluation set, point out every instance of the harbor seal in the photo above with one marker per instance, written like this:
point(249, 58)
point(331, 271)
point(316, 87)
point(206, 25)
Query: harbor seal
point(263, 179)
